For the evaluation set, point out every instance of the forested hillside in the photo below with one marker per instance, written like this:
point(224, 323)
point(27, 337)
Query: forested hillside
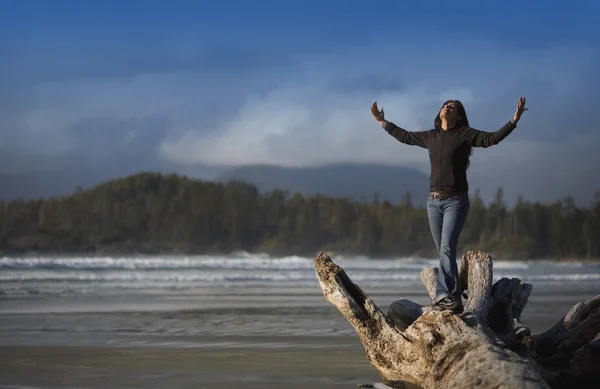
point(153, 213)
point(352, 180)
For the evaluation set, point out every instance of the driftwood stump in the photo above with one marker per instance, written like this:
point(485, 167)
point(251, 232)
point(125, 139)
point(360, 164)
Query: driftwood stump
point(483, 345)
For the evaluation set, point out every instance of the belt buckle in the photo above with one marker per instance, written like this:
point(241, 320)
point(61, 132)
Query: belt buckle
point(441, 196)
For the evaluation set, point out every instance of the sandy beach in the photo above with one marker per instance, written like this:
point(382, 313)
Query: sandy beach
point(75, 358)
point(206, 323)
point(218, 368)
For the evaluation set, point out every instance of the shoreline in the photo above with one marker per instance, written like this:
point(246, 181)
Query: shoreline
point(277, 254)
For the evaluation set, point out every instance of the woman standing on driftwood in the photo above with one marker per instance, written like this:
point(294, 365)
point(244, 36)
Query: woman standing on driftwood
point(450, 144)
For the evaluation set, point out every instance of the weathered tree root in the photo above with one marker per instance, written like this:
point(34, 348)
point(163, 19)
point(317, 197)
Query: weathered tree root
point(484, 346)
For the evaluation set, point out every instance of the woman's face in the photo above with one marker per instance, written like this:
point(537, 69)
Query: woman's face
point(449, 111)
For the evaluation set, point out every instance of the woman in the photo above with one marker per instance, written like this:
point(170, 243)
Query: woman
point(449, 143)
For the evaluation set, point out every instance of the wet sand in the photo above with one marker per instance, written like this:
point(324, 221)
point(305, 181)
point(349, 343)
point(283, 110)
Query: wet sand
point(72, 357)
point(201, 362)
point(203, 349)
point(80, 325)
point(218, 368)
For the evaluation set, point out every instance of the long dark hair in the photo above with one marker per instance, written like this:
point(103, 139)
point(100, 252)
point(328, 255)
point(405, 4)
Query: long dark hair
point(461, 121)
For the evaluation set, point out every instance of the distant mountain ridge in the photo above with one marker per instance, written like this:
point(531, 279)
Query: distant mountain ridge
point(355, 181)
point(338, 180)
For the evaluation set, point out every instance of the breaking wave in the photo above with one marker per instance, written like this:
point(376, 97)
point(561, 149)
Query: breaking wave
point(72, 273)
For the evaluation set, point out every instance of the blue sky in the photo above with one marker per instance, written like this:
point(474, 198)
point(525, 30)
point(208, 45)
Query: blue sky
point(193, 85)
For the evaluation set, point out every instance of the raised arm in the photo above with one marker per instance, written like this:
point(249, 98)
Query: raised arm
point(413, 138)
point(478, 138)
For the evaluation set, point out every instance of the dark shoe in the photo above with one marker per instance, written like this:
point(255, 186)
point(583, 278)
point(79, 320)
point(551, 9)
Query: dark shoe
point(522, 331)
point(447, 303)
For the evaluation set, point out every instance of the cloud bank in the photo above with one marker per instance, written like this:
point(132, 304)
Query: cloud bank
point(314, 109)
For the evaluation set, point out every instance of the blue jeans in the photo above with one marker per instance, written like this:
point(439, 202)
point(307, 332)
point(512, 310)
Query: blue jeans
point(446, 220)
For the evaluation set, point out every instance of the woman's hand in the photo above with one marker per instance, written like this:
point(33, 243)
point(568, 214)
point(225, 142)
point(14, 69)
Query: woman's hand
point(520, 109)
point(377, 114)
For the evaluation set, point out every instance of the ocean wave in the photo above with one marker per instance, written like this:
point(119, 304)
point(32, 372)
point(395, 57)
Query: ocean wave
point(240, 261)
point(185, 276)
point(564, 277)
point(202, 277)
point(80, 274)
point(133, 263)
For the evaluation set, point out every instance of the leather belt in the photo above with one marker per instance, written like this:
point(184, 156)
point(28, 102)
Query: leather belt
point(445, 196)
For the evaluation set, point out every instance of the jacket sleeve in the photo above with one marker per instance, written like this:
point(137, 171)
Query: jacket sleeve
point(412, 138)
point(478, 138)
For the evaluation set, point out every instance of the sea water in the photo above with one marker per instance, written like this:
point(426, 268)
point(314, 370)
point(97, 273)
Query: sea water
point(209, 300)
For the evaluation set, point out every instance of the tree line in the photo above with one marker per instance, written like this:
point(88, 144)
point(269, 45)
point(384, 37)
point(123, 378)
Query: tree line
point(155, 213)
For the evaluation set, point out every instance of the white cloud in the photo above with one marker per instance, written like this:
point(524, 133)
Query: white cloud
point(307, 122)
point(307, 119)
point(291, 126)
point(55, 119)
point(247, 136)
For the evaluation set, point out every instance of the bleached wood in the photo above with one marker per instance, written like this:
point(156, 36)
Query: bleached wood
point(479, 281)
point(429, 279)
point(439, 349)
